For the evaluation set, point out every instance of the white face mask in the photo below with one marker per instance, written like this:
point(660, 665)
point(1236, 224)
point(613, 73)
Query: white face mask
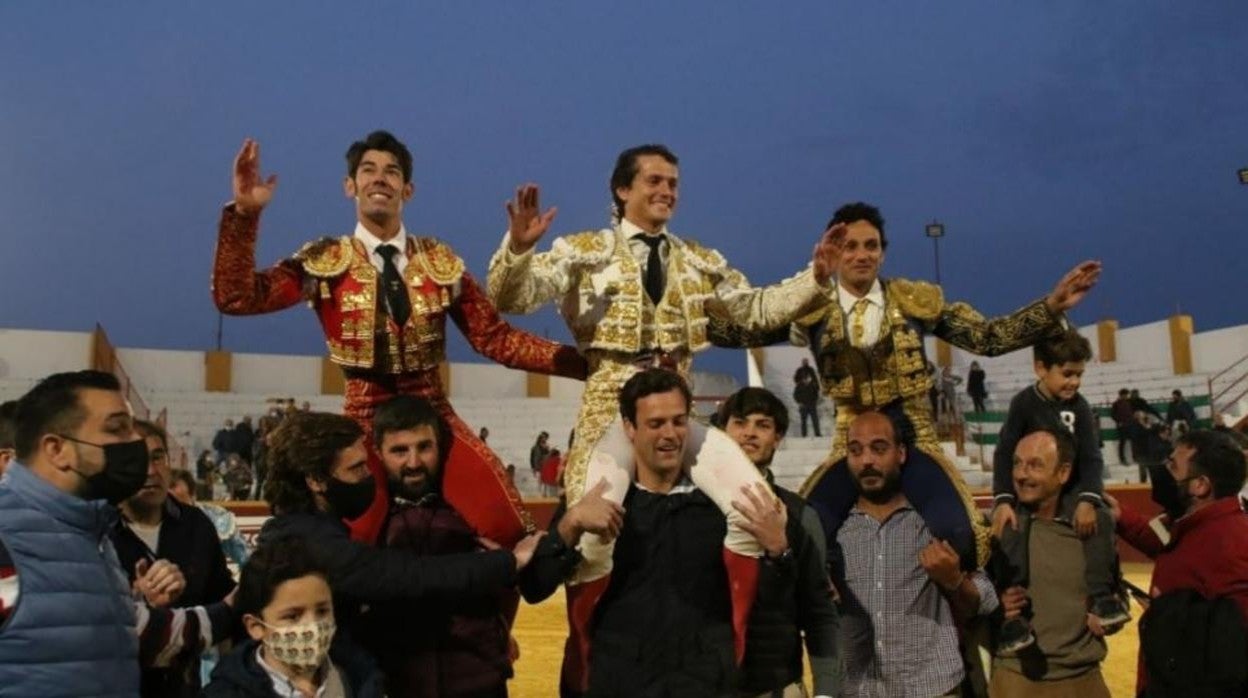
point(301, 645)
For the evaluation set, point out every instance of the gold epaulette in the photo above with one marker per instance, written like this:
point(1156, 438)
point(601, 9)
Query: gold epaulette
point(917, 299)
point(590, 246)
point(440, 261)
point(705, 259)
point(325, 257)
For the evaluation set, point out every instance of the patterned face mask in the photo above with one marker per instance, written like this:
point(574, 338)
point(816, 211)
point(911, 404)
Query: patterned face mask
point(302, 645)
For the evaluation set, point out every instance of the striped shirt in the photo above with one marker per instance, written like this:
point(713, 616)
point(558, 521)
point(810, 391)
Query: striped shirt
point(897, 630)
point(164, 633)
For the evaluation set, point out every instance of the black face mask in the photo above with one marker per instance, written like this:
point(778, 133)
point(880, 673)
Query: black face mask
point(124, 472)
point(350, 501)
point(1168, 492)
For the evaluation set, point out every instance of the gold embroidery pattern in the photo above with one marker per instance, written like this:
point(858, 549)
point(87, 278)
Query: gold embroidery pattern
point(325, 258)
point(963, 326)
point(439, 261)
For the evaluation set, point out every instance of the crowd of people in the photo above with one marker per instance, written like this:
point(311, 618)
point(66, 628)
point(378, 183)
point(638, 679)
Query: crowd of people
point(397, 550)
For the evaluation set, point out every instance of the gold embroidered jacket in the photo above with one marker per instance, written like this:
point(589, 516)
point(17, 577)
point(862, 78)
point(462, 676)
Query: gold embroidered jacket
point(337, 280)
point(599, 284)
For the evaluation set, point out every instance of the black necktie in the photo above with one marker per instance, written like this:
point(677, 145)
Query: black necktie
point(654, 267)
point(397, 302)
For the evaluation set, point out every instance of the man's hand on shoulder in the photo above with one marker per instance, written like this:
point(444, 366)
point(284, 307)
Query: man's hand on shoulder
point(593, 513)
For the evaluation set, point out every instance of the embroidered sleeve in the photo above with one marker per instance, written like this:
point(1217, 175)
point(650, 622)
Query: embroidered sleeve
point(756, 310)
point(522, 283)
point(964, 327)
point(493, 338)
point(237, 287)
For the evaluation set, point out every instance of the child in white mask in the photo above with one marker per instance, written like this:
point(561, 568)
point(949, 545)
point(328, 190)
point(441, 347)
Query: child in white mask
point(287, 609)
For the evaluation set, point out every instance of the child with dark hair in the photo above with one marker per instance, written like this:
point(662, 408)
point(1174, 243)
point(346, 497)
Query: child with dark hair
point(294, 649)
point(1054, 403)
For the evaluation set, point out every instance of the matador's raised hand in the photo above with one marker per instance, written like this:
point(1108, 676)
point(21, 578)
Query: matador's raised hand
point(526, 223)
point(1073, 287)
point(827, 254)
point(251, 193)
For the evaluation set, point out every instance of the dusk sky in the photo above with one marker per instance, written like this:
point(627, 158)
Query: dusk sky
point(1040, 134)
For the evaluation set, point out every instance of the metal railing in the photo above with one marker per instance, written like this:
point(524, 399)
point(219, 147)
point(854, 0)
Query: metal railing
point(1237, 386)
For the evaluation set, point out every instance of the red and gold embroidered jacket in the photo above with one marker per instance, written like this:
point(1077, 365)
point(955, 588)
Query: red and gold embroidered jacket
point(337, 280)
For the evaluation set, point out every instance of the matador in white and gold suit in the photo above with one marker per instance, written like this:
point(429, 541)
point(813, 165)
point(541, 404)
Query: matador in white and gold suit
point(636, 296)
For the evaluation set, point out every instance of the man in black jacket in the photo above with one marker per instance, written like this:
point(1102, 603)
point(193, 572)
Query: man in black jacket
point(154, 526)
point(664, 625)
point(319, 476)
point(802, 602)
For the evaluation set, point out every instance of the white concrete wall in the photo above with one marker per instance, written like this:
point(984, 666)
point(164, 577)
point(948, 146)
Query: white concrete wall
point(1146, 345)
point(156, 369)
point(565, 388)
point(33, 354)
point(1214, 350)
point(486, 380)
point(275, 374)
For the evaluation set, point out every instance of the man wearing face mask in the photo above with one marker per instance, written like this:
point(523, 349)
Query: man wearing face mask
point(153, 525)
point(318, 477)
point(1199, 544)
point(449, 647)
point(72, 627)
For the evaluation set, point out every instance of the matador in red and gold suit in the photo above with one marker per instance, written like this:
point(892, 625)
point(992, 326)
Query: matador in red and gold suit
point(383, 298)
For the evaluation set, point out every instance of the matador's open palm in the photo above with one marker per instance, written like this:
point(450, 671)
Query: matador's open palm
point(1074, 286)
point(251, 192)
point(826, 256)
point(526, 223)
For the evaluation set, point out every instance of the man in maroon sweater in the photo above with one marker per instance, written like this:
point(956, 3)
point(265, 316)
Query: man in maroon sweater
point(1201, 542)
point(445, 647)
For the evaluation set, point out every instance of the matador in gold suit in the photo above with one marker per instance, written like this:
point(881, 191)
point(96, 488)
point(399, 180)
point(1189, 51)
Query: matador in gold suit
point(388, 339)
point(868, 347)
point(634, 296)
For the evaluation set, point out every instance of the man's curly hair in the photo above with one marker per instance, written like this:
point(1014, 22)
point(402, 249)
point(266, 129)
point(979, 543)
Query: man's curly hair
point(305, 444)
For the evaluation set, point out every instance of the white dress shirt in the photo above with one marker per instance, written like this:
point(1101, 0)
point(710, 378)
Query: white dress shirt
point(372, 242)
point(872, 319)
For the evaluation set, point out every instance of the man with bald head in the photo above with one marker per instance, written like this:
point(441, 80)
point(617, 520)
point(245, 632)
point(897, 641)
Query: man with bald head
point(1066, 657)
point(901, 588)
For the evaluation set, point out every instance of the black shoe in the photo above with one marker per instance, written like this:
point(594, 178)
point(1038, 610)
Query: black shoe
point(1111, 611)
point(1015, 635)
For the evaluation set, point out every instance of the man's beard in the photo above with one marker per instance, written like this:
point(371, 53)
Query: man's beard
point(887, 490)
point(414, 492)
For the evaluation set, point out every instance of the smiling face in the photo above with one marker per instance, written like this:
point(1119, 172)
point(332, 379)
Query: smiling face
point(659, 434)
point(1060, 381)
point(650, 199)
point(378, 188)
point(1038, 473)
point(756, 435)
point(410, 457)
point(862, 253)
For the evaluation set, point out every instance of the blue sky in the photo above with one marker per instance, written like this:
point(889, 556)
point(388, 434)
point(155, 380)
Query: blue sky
point(1039, 133)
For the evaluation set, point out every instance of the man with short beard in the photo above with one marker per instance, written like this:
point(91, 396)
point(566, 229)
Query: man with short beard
point(449, 646)
point(801, 604)
point(154, 525)
point(901, 588)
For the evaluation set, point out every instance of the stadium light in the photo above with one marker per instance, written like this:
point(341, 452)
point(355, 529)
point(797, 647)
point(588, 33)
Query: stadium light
point(936, 230)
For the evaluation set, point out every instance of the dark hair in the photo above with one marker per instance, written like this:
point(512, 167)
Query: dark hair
point(748, 401)
point(626, 168)
point(52, 406)
point(8, 424)
point(1065, 443)
point(185, 477)
point(1218, 457)
point(1176, 393)
point(651, 381)
point(405, 412)
point(379, 140)
point(1062, 349)
point(860, 211)
point(270, 566)
point(306, 444)
point(1123, 391)
point(146, 429)
point(903, 428)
